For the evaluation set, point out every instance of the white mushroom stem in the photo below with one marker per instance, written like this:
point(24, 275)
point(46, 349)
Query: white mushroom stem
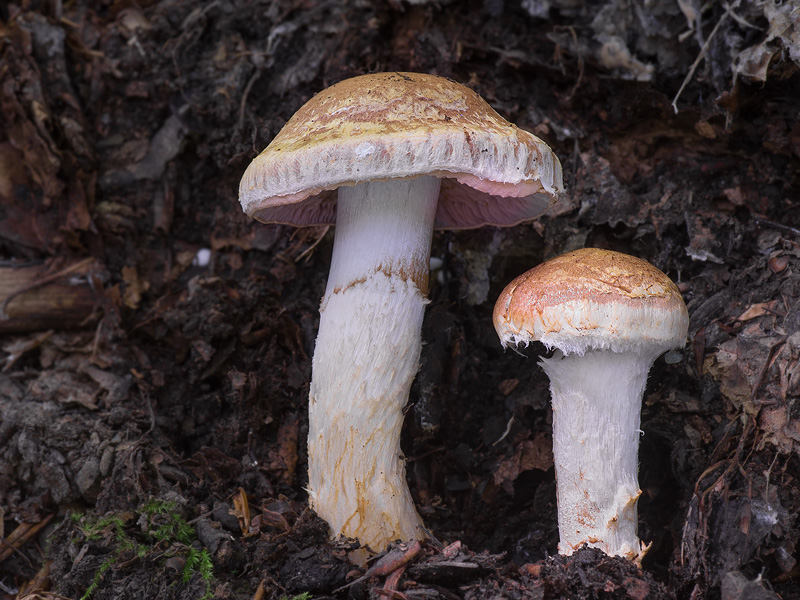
point(366, 357)
point(597, 401)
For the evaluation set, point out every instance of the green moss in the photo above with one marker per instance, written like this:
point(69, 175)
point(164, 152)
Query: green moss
point(160, 526)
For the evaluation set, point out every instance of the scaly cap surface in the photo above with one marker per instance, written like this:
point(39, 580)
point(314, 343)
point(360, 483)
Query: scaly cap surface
point(593, 298)
point(397, 125)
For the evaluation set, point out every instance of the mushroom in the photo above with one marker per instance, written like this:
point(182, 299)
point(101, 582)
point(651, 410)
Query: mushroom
point(609, 316)
point(402, 153)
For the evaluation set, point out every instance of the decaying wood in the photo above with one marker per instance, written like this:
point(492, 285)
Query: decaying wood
point(55, 296)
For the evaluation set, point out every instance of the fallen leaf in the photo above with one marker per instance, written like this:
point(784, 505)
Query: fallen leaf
point(528, 455)
point(133, 287)
point(755, 311)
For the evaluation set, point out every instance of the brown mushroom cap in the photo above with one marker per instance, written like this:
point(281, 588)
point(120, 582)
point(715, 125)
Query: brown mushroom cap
point(397, 125)
point(593, 298)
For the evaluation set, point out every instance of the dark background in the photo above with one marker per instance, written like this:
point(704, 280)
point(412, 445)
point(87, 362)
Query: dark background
point(132, 372)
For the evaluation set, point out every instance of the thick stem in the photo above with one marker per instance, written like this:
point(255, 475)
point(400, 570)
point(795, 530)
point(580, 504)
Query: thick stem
point(366, 357)
point(596, 402)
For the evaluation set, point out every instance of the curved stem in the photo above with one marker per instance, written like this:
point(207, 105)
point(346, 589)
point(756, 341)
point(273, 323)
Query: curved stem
point(365, 360)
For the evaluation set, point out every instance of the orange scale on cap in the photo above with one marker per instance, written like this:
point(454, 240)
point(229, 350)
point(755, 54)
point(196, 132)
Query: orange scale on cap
point(398, 125)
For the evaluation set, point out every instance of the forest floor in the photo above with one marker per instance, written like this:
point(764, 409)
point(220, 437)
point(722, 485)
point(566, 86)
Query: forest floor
point(155, 343)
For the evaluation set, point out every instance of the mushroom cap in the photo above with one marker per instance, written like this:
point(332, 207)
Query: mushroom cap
point(593, 299)
point(398, 125)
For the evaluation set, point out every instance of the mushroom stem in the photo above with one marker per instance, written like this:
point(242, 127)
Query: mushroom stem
point(596, 401)
point(366, 357)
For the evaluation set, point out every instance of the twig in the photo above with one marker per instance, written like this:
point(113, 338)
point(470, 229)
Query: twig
point(700, 57)
point(243, 102)
point(765, 367)
point(307, 252)
point(506, 432)
point(778, 226)
point(580, 62)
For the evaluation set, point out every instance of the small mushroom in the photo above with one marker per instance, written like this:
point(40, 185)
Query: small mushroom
point(386, 157)
point(609, 316)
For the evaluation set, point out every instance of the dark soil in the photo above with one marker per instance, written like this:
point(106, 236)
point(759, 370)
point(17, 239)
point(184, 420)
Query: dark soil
point(152, 404)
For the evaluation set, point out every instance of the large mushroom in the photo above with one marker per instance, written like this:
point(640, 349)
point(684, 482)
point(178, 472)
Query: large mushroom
point(609, 316)
point(386, 157)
